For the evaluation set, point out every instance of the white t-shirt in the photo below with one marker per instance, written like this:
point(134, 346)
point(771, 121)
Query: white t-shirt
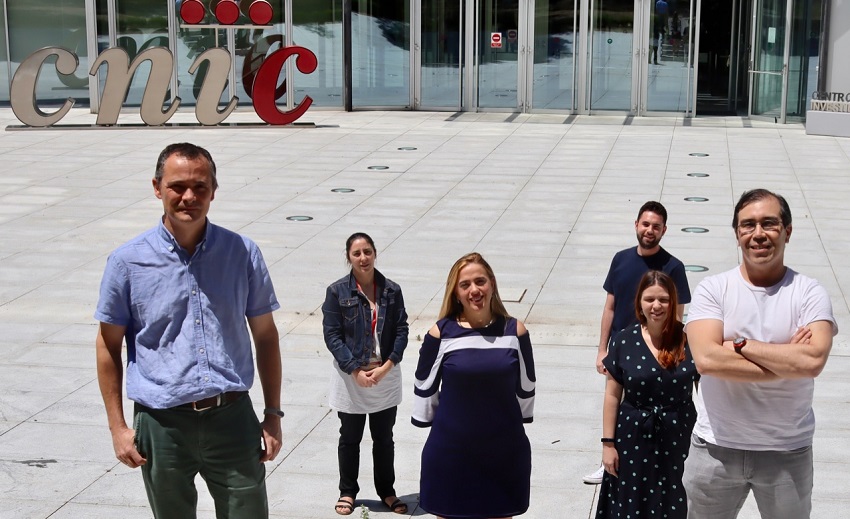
point(758, 416)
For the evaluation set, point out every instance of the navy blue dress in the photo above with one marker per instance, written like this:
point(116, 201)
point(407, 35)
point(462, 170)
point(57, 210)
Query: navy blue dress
point(475, 389)
point(653, 434)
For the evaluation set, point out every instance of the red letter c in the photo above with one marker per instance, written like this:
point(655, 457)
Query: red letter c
point(266, 83)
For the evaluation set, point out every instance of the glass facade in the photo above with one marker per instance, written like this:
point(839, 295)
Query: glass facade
point(5, 64)
point(442, 51)
point(251, 45)
point(611, 50)
point(140, 25)
point(380, 34)
point(554, 54)
point(670, 55)
point(34, 24)
point(497, 54)
point(803, 57)
point(578, 56)
point(768, 58)
point(317, 25)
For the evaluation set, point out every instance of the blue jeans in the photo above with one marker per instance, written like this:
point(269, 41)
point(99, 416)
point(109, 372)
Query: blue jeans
point(221, 444)
point(719, 479)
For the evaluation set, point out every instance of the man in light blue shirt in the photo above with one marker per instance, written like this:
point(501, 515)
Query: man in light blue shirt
point(187, 297)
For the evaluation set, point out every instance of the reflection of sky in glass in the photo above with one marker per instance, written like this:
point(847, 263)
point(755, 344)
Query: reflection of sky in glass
point(382, 65)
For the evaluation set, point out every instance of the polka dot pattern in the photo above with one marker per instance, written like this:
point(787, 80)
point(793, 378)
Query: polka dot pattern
point(654, 425)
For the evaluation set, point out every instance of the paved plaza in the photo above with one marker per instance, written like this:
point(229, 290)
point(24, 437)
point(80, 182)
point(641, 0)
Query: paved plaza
point(547, 199)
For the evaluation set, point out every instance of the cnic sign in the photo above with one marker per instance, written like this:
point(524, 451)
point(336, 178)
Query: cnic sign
point(154, 112)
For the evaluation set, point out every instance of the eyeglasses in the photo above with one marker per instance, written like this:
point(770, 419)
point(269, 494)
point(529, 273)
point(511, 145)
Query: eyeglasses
point(771, 225)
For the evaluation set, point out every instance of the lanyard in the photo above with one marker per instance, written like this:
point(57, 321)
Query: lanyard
point(375, 311)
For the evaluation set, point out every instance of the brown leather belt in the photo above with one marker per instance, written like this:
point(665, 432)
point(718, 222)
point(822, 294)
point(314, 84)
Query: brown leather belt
point(215, 401)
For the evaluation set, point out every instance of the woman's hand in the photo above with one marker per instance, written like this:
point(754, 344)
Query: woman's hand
point(380, 372)
point(362, 378)
point(610, 459)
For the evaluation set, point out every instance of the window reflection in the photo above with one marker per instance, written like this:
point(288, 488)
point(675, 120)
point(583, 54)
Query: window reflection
point(669, 62)
point(380, 34)
point(554, 42)
point(34, 24)
point(611, 58)
point(317, 25)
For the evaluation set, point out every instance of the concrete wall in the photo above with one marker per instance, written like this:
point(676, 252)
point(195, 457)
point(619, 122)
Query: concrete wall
point(838, 74)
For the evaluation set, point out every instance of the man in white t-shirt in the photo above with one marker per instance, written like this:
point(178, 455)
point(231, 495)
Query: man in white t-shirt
point(759, 333)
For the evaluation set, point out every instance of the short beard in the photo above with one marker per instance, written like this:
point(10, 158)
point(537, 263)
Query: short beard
point(653, 244)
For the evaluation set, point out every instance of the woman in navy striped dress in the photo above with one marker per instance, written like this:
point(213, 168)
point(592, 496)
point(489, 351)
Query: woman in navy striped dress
point(475, 389)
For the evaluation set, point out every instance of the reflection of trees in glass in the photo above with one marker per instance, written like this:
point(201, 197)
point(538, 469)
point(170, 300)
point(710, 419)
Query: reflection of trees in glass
point(34, 24)
point(316, 16)
point(555, 22)
point(390, 16)
point(134, 16)
point(394, 31)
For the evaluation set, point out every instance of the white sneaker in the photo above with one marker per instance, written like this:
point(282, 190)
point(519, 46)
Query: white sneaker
point(594, 478)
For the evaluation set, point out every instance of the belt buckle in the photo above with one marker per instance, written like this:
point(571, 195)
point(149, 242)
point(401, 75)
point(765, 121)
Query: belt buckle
point(216, 404)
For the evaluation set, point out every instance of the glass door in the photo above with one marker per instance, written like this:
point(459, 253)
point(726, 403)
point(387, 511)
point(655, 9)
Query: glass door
point(612, 45)
point(498, 47)
point(439, 54)
point(667, 72)
point(769, 58)
point(555, 45)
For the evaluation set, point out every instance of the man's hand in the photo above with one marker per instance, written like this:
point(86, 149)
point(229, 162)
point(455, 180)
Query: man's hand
point(803, 335)
point(272, 438)
point(124, 443)
point(600, 367)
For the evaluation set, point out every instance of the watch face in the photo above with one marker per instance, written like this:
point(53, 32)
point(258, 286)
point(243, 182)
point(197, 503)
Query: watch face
point(740, 341)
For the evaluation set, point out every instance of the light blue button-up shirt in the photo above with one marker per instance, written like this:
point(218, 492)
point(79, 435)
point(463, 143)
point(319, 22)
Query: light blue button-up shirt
point(187, 334)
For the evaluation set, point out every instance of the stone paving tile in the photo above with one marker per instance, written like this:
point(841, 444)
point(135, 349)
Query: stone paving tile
point(547, 202)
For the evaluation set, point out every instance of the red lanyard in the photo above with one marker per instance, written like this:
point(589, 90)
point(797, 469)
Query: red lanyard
point(375, 311)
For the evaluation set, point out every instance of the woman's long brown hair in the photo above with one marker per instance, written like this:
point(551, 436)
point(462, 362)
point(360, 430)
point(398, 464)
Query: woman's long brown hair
point(672, 349)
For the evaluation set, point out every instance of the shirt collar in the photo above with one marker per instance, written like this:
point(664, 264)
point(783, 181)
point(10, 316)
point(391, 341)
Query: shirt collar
point(171, 244)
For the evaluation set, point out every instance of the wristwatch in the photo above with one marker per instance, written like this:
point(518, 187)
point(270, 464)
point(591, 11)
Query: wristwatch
point(739, 344)
point(273, 411)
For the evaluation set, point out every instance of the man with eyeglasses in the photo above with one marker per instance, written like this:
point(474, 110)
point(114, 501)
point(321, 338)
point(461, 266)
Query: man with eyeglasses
point(627, 267)
point(759, 333)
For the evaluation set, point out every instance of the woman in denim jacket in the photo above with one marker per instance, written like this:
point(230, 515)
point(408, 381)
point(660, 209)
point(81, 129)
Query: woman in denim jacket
point(365, 328)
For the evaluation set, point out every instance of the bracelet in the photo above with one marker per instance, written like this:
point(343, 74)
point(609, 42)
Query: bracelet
point(608, 440)
point(273, 410)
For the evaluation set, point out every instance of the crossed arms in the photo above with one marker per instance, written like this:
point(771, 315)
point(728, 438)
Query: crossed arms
point(803, 357)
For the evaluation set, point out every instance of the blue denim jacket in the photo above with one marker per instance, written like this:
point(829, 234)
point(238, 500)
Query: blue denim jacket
point(347, 322)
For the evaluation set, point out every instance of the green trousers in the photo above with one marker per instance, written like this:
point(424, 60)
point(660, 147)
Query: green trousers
point(223, 445)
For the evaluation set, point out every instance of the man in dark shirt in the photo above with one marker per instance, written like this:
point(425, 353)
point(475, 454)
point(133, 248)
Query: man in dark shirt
point(625, 272)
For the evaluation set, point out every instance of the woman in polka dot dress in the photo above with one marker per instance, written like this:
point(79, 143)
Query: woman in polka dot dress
point(648, 411)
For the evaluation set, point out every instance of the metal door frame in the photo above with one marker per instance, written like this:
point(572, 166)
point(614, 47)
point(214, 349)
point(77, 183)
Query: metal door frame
point(416, 58)
point(584, 108)
point(525, 55)
point(786, 57)
point(640, 86)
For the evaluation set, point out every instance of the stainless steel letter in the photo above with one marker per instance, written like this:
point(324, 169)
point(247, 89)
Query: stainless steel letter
point(215, 81)
point(119, 74)
point(22, 93)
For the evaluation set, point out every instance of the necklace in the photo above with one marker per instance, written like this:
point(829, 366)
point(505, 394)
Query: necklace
point(462, 319)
